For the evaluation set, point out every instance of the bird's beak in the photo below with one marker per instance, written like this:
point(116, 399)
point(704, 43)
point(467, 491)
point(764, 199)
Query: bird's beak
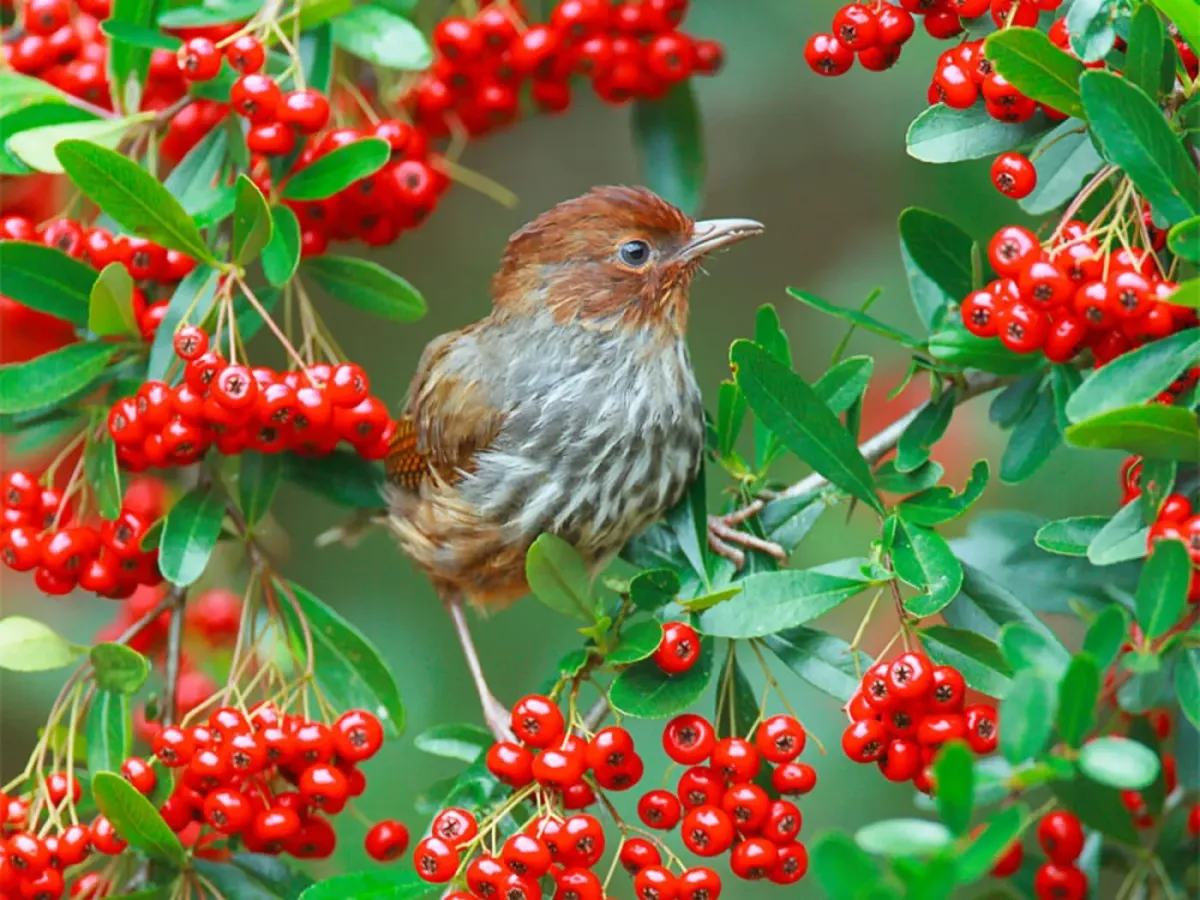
point(713, 234)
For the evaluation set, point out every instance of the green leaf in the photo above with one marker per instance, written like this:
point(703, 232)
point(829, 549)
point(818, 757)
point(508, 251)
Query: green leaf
point(1033, 648)
point(1187, 294)
point(258, 477)
point(110, 308)
point(1097, 807)
point(943, 135)
point(461, 741)
point(1034, 438)
point(903, 837)
point(46, 279)
point(128, 64)
point(1163, 588)
point(108, 732)
point(559, 577)
point(209, 12)
point(1122, 538)
point(316, 46)
point(1135, 377)
point(52, 377)
point(824, 661)
point(51, 111)
point(378, 884)
point(843, 870)
point(805, 425)
point(1062, 159)
point(1106, 635)
point(250, 876)
point(119, 669)
point(1037, 68)
point(1118, 762)
point(644, 691)
point(366, 285)
point(337, 170)
point(342, 477)
point(103, 474)
point(923, 559)
point(924, 431)
point(1001, 830)
point(954, 775)
point(1089, 23)
point(348, 666)
point(200, 172)
point(842, 386)
point(1070, 537)
point(136, 820)
point(958, 347)
point(194, 297)
point(1077, 695)
point(1146, 60)
point(653, 589)
point(37, 147)
point(26, 645)
point(977, 658)
point(936, 505)
point(1183, 14)
point(986, 606)
point(737, 704)
point(136, 35)
point(888, 478)
point(1134, 135)
point(1155, 431)
point(669, 142)
point(771, 602)
point(858, 319)
point(731, 411)
point(937, 261)
point(1184, 239)
point(1187, 684)
point(252, 224)
point(638, 642)
point(281, 256)
point(190, 535)
point(132, 196)
point(379, 36)
point(1028, 716)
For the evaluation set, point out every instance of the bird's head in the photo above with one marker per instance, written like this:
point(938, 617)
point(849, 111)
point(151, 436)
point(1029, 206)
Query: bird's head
point(615, 257)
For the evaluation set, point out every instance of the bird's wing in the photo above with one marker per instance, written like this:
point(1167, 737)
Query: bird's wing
point(453, 412)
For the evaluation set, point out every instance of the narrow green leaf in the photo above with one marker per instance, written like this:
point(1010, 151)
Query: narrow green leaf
point(1184, 239)
point(118, 668)
point(559, 578)
point(281, 256)
point(110, 308)
point(1077, 694)
point(1106, 635)
point(937, 261)
point(103, 474)
point(924, 431)
point(1070, 537)
point(1163, 588)
point(37, 147)
point(1062, 159)
point(136, 35)
point(977, 658)
point(377, 884)
point(958, 347)
point(771, 602)
point(212, 12)
point(638, 641)
point(1089, 23)
point(954, 775)
point(1033, 648)
point(259, 475)
point(136, 820)
point(858, 319)
point(1134, 135)
point(108, 731)
point(889, 478)
point(943, 135)
point(1183, 14)
point(348, 667)
point(342, 477)
point(1118, 762)
point(337, 170)
point(1001, 830)
point(1145, 56)
point(844, 384)
point(644, 691)
point(376, 35)
point(1028, 716)
point(1135, 377)
point(824, 661)
point(843, 870)
point(986, 606)
point(190, 535)
point(1187, 684)
point(1122, 538)
point(669, 140)
point(802, 422)
point(1156, 431)
point(250, 876)
point(923, 559)
point(937, 505)
point(26, 645)
point(366, 285)
point(46, 279)
point(1037, 68)
point(53, 377)
point(1033, 440)
point(51, 111)
point(903, 837)
point(252, 224)
point(653, 589)
point(129, 63)
point(462, 742)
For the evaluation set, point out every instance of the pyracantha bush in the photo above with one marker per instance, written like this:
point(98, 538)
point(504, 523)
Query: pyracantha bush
point(224, 719)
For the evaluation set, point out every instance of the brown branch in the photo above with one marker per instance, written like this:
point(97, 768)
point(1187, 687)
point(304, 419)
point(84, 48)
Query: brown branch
point(178, 600)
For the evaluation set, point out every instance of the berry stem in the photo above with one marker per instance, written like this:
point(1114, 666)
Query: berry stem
point(178, 597)
point(476, 181)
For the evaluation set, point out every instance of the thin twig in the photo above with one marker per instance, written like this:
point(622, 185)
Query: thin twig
point(178, 598)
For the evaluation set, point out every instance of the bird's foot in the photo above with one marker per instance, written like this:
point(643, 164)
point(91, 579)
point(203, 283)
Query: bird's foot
point(724, 539)
point(497, 717)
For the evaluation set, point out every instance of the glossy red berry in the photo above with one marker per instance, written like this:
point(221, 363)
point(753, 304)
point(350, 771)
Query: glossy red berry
point(138, 773)
point(357, 735)
point(1061, 837)
point(510, 763)
point(455, 826)
point(855, 27)
point(655, 883)
point(1014, 175)
point(826, 55)
point(736, 759)
point(982, 733)
point(526, 856)
point(638, 853)
point(780, 739)
point(306, 111)
point(387, 840)
point(707, 831)
point(794, 778)
point(747, 805)
point(864, 741)
point(537, 721)
point(199, 59)
point(435, 860)
point(246, 54)
point(754, 859)
point(689, 739)
point(910, 676)
point(1022, 327)
point(700, 786)
point(660, 809)
point(228, 811)
point(1056, 882)
point(256, 97)
point(679, 648)
point(1010, 249)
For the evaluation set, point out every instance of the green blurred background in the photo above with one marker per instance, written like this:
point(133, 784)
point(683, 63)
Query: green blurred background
point(821, 162)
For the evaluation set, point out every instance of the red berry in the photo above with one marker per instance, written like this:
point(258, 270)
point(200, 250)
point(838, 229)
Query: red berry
point(577, 884)
point(655, 883)
point(1010, 249)
point(139, 774)
point(689, 739)
point(780, 739)
point(910, 676)
point(949, 689)
point(1044, 284)
point(826, 55)
point(1061, 837)
point(435, 860)
point(794, 778)
point(792, 864)
point(679, 648)
point(660, 809)
point(638, 853)
point(357, 735)
point(864, 741)
point(256, 97)
point(510, 763)
point(306, 111)
point(199, 59)
point(1055, 882)
point(1014, 175)
point(1022, 327)
point(707, 831)
point(537, 721)
point(736, 759)
point(855, 27)
point(982, 731)
point(700, 786)
point(454, 826)
point(228, 811)
point(526, 855)
point(581, 841)
point(754, 858)
point(190, 342)
point(877, 688)
point(1010, 861)
point(747, 805)
point(246, 54)
point(699, 883)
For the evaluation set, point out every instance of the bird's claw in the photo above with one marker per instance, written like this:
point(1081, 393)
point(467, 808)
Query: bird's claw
point(723, 535)
point(354, 529)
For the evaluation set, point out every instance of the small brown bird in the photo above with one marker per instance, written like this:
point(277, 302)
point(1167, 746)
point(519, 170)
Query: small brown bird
point(571, 408)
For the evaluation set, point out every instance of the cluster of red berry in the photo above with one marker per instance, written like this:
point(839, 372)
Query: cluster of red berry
point(37, 533)
point(62, 47)
point(718, 806)
point(1072, 295)
point(625, 50)
point(1178, 521)
point(906, 710)
point(235, 408)
point(874, 31)
point(964, 74)
point(155, 269)
point(1060, 836)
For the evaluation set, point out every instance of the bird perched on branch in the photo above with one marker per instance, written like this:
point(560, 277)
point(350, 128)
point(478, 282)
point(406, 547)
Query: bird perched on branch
point(571, 408)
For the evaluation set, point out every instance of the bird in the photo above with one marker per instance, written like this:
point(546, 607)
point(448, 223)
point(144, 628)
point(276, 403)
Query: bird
point(570, 408)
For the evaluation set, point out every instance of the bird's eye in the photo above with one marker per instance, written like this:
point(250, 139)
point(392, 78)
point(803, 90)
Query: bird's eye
point(635, 253)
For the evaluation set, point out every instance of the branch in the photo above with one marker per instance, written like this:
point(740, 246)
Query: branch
point(178, 600)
